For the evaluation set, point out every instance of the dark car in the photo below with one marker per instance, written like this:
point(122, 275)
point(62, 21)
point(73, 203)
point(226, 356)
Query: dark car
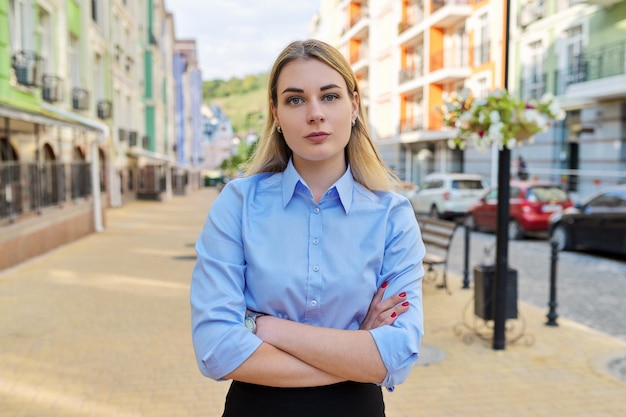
point(597, 224)
point(531, 204)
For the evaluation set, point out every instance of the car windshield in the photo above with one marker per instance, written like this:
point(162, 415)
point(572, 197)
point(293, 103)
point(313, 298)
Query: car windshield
point(467, 185)
point(547, 193)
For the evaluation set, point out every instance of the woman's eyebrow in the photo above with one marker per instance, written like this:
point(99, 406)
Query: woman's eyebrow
point(299, 90)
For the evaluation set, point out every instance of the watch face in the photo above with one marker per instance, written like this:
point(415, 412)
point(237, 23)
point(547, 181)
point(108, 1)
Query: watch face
point(250, 324)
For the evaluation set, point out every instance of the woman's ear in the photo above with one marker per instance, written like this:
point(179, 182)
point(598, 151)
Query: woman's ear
point(355, 105)
point(274, 113)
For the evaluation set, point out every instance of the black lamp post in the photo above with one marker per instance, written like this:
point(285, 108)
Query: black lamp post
point(502, 237)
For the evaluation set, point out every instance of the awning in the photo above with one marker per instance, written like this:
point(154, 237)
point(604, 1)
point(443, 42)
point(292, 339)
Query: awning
point(138, 152)
point(43, 119)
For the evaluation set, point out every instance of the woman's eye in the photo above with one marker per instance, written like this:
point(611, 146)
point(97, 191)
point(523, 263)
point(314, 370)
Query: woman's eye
point(294, 100)
point(330, 97)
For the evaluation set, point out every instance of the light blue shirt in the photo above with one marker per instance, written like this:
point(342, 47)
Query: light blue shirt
point(268, 246)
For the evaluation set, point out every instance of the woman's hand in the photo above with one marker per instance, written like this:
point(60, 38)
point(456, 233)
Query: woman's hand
point(381, 313)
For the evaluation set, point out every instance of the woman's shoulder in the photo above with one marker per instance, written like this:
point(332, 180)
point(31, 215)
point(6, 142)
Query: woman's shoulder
point(243, 186)
point(389, 198)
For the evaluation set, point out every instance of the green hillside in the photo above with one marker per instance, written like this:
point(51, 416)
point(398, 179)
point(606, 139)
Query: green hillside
point(246, 111)
point(243, 100)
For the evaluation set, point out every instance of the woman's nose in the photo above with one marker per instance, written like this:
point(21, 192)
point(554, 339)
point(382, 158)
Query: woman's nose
point(315, 113)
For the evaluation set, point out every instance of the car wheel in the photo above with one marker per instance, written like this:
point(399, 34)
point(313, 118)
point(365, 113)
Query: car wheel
point(515, 230)
point(470, 222)
point(562, 237)
point(434, 213)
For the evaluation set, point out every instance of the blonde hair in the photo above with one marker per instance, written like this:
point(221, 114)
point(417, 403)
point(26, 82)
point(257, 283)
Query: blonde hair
point(272, 153)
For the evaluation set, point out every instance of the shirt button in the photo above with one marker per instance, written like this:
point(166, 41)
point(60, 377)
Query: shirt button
point(313, 303)
point(316, 210)
point(315, 241)
point(316, 268)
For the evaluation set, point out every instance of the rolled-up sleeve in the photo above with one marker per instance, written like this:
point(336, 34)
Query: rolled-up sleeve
point(220, 339)
point(399, 344)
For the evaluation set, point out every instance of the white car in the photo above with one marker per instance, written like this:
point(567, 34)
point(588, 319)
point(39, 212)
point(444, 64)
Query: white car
point(447, 195)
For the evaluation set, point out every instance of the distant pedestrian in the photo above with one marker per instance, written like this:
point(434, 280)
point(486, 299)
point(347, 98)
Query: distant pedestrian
point(522, 170)
point(307, 291)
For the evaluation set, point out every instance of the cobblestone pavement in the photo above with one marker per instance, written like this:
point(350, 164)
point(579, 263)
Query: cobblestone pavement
point(101, 327)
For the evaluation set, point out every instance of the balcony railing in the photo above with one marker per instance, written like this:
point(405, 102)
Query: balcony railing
point(105, 108)
point(28, 67)
point(482, 53)
point(448, 58)
point(593, 64)
point(411, 124)
point(534, 86)
point(80, 99)
point(52, 89)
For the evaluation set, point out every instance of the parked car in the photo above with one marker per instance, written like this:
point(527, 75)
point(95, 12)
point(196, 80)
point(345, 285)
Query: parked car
point(597, 224)
point(531, 204)
point(447, 195)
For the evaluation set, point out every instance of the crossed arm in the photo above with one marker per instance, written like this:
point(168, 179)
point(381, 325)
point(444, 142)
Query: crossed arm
point(300, 355)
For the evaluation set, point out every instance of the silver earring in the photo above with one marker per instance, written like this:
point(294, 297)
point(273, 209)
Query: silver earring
point(353, 122)
point(279, 129)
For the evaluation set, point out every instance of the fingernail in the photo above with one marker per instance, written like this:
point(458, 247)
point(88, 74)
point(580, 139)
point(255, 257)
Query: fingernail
point(406, 303)
point(385, 284)
point(402, 294)
point(393, 315)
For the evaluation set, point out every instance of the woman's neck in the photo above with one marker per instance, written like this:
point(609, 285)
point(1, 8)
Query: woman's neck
point(320, 175)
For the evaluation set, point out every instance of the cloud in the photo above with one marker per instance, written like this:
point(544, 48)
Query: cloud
point(236, 38)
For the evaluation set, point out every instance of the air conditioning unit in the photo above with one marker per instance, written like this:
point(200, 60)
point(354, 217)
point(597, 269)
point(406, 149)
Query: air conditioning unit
point(51, 94)
point(104, 109)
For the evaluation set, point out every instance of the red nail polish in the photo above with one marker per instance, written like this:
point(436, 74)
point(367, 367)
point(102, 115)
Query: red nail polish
point(402, 294)
point(406, 303)
point(393, 315)
point(384, 284)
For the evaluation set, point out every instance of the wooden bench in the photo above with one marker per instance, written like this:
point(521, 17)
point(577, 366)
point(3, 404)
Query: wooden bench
point(437, 236)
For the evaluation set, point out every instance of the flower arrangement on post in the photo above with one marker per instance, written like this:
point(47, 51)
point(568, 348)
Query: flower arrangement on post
point(498, 118)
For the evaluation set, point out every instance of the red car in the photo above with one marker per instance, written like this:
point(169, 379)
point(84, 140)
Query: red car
point(531, 205)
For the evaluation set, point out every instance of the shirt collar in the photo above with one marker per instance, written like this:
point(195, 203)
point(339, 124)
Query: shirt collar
point(344, 186)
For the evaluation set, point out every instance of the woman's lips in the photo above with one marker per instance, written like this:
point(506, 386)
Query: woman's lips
point(317, 136)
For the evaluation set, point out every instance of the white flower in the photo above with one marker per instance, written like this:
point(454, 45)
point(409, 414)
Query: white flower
point(494, 117)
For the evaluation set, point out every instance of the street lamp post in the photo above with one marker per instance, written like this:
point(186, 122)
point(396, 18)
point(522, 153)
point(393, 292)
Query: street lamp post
point(502, 237)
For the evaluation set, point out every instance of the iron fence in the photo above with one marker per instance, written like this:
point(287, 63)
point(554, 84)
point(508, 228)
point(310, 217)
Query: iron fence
point(29, 186)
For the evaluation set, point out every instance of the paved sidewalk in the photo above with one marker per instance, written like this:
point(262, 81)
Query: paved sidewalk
point(101, 327)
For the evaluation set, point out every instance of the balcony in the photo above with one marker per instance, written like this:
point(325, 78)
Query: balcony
point(52, 88)
point(533, 86)
point(447, 13)
point(449, 65)
point(28, 67)
point(596, 74)
point(80, 99)
point(482, 53)
point(105, 109)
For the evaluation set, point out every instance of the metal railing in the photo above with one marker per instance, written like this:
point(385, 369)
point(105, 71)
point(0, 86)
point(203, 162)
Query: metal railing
point(29, 186)
point(593, 64)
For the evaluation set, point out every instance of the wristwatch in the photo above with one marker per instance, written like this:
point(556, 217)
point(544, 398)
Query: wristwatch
point(250, 320)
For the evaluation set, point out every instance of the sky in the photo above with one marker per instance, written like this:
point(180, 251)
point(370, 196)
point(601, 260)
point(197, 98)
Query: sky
point(235, 38)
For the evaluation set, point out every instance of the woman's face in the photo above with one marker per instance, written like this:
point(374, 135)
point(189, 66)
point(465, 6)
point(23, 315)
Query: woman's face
point(315, 111)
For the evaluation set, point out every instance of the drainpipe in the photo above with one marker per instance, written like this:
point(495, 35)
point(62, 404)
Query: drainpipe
point(103, 134)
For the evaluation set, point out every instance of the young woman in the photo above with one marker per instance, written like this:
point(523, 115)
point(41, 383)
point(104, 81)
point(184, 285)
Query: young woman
point(307, 289)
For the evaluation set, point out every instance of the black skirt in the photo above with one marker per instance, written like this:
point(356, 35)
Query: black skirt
point(345, 399)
